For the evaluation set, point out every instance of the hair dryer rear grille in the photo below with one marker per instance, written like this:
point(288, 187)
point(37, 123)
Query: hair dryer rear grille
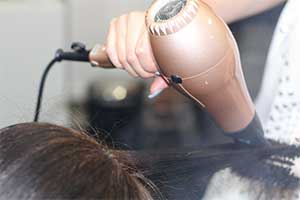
point(170, 10)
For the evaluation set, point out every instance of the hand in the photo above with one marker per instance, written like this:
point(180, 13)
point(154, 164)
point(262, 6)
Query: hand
point(128, 47)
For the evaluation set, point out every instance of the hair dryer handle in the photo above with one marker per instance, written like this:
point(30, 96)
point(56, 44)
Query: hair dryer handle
point(98, 57)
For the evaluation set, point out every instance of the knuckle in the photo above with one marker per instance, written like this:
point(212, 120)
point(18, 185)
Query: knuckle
point(109, 51)
point(131, 58)
point(149, 75)
point(113, 57)
point(130, 72)
point(140, 51)
point(150, 68)
point(119, 67)
point(134, 75)
point(145, 75)
point(123, 61)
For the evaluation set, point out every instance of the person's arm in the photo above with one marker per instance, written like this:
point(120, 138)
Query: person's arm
point(233, 10)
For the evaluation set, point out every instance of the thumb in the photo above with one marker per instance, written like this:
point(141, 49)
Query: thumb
point(157, 86)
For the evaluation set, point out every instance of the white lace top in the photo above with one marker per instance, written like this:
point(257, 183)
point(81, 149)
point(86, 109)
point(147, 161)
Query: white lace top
point(278, 103)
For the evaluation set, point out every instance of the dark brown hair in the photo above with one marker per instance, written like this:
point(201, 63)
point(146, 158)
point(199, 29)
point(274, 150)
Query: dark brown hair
point(44, 161)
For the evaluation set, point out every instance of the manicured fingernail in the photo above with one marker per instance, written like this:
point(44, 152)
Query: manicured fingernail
point(155, 94)
point(94, 64)
point(96, 49)
point(157, 74)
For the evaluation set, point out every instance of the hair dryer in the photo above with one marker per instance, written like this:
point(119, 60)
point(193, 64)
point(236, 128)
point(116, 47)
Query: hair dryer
point(197, 54)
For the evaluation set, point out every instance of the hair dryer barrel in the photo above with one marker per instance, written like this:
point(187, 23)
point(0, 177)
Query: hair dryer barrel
point(197, 54)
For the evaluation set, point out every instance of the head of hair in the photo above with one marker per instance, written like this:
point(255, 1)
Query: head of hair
point(44, 161)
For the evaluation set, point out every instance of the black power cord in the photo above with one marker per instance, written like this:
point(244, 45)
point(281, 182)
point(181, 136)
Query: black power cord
point(79, 53)
point(41, 90)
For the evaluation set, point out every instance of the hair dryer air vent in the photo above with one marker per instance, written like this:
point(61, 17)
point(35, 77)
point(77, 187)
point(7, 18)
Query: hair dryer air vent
point(169, 16)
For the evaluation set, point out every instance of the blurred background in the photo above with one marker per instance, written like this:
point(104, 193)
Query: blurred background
point(108, 103)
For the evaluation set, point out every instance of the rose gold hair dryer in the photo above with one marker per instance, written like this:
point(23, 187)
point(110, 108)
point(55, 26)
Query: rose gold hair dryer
point(197, 54)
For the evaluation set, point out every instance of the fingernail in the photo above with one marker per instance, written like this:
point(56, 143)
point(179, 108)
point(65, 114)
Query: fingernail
point(155, 94)
point(157, 74)
point(93, 54)
point(96, 49)
point(94, 64)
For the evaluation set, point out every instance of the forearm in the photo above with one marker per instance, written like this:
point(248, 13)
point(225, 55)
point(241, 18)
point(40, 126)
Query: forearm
point(233, 10)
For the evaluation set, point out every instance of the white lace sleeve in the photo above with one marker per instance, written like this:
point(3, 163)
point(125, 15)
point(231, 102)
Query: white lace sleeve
point(278, 103)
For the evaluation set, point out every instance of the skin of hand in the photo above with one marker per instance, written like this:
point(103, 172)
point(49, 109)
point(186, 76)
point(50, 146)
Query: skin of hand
point(128, 48)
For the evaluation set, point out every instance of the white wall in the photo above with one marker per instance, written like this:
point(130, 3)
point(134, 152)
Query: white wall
point(30, 32)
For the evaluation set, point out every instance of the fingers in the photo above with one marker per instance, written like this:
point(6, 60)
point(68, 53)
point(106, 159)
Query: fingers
point(122, 44)
point(135, 22)
point(111, 44)
point(128, 45)
point(144, 53)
